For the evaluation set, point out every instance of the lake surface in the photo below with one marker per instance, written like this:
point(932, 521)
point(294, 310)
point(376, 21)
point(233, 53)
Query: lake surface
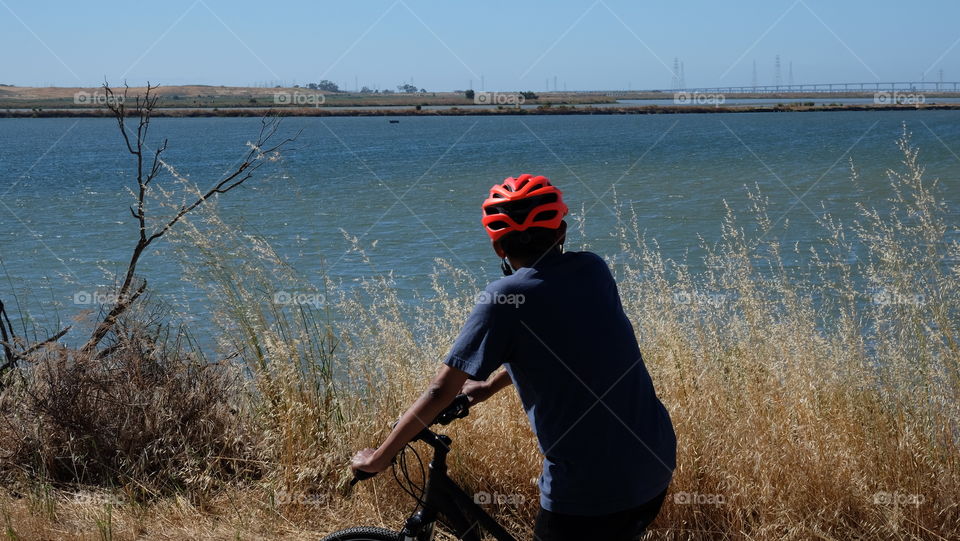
point(411, 191)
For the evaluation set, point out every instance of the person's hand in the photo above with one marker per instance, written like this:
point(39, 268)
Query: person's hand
point(478, 391)
point(366, 460)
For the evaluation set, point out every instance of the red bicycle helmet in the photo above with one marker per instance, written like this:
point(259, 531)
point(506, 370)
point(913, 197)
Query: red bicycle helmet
point(521, 203)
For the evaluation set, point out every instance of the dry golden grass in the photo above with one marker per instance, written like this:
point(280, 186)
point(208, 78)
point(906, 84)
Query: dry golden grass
point(812, 403)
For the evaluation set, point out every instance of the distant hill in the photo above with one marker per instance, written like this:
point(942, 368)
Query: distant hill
point(207, 96)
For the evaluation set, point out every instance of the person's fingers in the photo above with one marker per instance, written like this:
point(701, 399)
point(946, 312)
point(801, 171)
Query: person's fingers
point(361, 458)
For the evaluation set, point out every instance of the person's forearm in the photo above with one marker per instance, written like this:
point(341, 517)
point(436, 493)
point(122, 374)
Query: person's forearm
point(423, 412)
point(499, 381)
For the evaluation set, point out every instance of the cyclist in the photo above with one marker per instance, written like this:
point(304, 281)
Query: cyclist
point(557, 325)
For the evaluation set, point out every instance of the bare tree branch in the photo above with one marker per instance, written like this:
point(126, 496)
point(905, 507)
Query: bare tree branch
point(23, 354)
point(262, 151)
point(6, 336)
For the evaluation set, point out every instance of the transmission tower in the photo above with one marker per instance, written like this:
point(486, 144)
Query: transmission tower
point(675, 83)
point(754, 81)
point(790, 74)
point(777, 79)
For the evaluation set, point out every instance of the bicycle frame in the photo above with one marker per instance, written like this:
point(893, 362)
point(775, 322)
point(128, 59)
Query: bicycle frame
point(442, 496)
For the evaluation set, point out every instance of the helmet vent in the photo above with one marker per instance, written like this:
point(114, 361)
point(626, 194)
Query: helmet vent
point(545, 216)
point(518, 210)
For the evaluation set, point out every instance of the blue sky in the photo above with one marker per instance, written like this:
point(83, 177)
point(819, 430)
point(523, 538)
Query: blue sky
point(446, 45)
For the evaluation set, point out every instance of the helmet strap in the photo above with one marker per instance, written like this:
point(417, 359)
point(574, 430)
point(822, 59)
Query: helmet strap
point(505, 267)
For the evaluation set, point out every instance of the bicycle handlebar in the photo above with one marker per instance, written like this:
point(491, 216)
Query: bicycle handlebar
point(458, 409)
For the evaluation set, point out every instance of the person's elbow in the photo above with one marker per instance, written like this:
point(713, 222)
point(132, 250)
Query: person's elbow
point(445, 386)
point(437, 392)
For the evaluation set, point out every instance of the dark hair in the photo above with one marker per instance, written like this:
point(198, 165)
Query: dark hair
point(530, 243)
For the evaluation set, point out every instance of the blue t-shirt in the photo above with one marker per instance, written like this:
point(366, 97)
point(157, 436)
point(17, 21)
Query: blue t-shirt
point(561, 332)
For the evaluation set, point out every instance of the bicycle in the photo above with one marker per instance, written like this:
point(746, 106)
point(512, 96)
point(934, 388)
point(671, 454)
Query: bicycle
point(440, 495)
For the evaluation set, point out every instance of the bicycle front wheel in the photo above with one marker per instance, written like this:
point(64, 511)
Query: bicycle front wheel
point(364, 533)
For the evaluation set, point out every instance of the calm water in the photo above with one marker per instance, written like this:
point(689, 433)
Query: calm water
point(412, 190)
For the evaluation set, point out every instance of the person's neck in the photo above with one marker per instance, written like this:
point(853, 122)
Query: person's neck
point(518, 263)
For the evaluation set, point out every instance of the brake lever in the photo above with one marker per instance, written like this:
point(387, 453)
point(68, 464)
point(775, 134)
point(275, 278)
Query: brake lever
point(459, 409)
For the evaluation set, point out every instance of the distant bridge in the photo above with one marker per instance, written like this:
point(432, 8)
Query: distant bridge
point(826, 88)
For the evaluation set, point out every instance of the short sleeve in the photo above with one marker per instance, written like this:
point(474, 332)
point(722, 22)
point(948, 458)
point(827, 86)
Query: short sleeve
point(486, 339)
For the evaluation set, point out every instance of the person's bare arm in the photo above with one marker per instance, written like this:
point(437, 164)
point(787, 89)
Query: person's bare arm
point(478, 391)
point(441, 392)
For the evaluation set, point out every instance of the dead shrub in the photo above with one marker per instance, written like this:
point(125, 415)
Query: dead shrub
point(147, 414)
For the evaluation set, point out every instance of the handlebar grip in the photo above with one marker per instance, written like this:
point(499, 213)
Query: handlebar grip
point(359, 475)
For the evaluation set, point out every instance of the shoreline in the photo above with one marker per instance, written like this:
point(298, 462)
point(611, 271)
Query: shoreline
point(203, 112)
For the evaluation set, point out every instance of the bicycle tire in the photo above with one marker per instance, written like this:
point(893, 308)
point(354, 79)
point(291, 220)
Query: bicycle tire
point(364, 533)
